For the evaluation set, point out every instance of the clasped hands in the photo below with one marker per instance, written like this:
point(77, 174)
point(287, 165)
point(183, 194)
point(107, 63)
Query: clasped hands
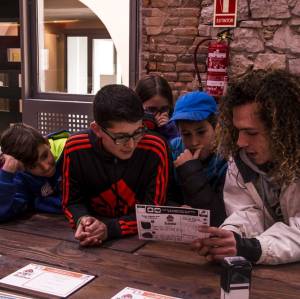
point(90, 231)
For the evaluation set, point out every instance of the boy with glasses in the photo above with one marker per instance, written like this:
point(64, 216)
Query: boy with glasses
point(111, 167)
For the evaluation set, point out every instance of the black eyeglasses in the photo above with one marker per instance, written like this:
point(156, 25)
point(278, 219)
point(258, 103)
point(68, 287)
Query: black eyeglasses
point(154, 110)
point(123, 139)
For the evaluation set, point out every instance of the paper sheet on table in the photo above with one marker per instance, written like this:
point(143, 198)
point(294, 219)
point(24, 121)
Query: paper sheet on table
point(131, 293)
point(4, 295)
point(167, 223)
point(47, 280)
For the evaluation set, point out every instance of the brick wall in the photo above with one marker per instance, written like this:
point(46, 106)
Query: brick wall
point(267, 37)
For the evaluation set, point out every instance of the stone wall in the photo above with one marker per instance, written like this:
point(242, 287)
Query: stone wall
point(267, 36)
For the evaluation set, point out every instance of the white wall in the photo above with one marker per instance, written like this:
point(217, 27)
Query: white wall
point(114, 14)
point(77, 64)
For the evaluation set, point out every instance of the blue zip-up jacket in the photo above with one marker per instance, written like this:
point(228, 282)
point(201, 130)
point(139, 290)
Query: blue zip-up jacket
point(22, 191)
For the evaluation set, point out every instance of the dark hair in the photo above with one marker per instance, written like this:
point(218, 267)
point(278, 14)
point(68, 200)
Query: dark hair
point(22, 141)
point(153, 85)
point(212, 119)
point(277, 94)
point(117, 103)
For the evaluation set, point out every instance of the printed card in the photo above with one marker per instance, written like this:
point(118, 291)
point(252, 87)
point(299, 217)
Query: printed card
point(167, 223)
point(47, 280)
point(131, 293)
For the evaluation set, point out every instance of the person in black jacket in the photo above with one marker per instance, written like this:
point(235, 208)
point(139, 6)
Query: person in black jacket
point(199, 171)
point(111, 167)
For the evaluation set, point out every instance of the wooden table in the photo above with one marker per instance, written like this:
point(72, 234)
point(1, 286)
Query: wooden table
point(167, 268)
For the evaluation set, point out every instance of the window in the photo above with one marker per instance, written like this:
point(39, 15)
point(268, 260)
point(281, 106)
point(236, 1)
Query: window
point(75, 50)
point(81, 46)
point(71, 49)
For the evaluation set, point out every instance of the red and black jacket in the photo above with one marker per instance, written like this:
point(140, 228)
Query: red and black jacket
point(99, 184)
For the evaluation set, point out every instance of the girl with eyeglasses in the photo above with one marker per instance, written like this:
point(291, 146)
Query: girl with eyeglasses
point(156, 95)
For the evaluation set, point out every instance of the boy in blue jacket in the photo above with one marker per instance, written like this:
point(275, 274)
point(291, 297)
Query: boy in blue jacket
point(30, 176)
point(199, 171)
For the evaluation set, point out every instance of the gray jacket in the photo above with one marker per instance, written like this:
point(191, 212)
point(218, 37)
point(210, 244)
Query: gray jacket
point(250, 218)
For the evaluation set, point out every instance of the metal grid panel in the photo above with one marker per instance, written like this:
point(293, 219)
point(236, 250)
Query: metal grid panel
point(48, 122)
point(52, 116)
point(78, 122)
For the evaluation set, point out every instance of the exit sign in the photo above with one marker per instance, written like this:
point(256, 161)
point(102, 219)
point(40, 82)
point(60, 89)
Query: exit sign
point(225, 13)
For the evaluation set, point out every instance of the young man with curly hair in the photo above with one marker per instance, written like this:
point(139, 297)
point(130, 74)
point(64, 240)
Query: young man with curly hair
point(111, 167)
point(260, 127)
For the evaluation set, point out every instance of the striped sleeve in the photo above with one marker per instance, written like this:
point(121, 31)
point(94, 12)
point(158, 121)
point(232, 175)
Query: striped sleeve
point(120, 227)
point(73, 202)
point(128, 227)
point(158, 182)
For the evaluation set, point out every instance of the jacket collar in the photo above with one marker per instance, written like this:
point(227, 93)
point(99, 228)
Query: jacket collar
point(248, 174)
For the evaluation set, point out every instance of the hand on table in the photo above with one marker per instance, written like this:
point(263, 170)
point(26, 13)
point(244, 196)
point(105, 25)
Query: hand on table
point(220, 244)
point(91, 231)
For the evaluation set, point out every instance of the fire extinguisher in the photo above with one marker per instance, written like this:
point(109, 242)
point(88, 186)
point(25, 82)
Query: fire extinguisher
point(217, 64)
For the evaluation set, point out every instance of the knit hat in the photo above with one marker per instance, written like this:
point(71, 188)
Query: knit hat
point(195, 106)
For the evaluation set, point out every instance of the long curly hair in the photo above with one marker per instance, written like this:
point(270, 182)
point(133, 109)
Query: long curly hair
point(277, 94)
